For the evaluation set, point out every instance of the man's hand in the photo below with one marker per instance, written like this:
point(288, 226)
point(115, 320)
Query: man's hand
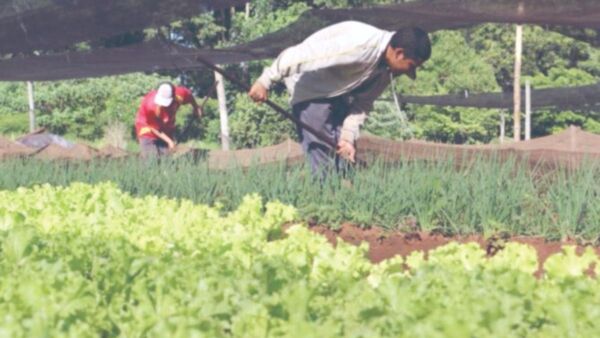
point(346, 150)
point(170, 144)
point(169, 141)
point(258, 92)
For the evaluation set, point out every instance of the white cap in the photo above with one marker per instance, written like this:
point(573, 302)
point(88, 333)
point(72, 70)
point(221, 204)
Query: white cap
point(164, 95)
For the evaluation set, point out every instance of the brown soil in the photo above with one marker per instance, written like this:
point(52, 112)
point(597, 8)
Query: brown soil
point(55, 152)
point(6, 144)
point(186, 151)
point(288, 151)
point(114, 152)
point(9, 149)
point(386, 244)
point(569, 148)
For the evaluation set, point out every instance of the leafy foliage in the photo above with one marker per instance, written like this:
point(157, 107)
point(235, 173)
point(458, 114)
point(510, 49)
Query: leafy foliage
point(83, 108)
point(13, 99)
point(93, 261)
point(454, 68)
point(550, 60)
point(14, 124)
point(255, 125)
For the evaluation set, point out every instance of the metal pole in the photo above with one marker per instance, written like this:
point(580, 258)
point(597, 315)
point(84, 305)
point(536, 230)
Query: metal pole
point(31, 106)
point(517, 83)
point(223, 115)
point(527, 110)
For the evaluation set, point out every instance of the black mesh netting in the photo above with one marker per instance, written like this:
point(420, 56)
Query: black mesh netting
point(151, 56)
point(62, 28)
point(27, 25)
point(433, 15)
point(573, 97)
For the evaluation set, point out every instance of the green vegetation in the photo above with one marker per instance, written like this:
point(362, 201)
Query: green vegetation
point(136, 248)
point(487, 197)
point(80, 108)
point(92, 261)
point(14, 124)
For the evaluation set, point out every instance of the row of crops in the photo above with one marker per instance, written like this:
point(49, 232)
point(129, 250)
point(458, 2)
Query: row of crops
point(94, 261)
point(486, 197)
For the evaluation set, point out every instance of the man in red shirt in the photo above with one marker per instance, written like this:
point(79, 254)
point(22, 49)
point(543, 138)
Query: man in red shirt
point(155, 120)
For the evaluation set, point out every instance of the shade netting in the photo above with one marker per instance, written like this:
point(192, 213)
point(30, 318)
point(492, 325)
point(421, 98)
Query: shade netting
point(54, 24)
point(564, 97)
point(27, 25)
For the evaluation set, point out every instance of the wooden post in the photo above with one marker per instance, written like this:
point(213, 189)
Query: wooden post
point(527, 110)
point(517, 83)
point(223, 115)
point(502, 125)
point(31, 106)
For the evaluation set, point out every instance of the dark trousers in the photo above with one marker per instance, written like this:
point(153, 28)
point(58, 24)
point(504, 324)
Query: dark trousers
point(326, 116)
point(153, 148)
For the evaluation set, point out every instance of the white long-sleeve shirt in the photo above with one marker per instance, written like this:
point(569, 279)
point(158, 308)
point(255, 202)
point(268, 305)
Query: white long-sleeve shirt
point(335, 61)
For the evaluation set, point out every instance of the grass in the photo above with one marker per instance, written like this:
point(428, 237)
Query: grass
point(487, 197)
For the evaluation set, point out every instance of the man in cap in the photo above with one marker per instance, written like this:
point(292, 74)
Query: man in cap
point(334, 76)
point(155, 120)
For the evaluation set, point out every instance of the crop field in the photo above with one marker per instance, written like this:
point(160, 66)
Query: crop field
point(95, 261)
point(162, 169)
point(486, 197)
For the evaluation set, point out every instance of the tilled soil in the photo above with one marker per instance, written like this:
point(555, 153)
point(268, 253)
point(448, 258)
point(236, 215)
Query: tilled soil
point(10, 149)
point(386, 244)
point(114, 152)
point(55, 152)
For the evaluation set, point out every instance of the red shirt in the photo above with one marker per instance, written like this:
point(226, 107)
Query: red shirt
point(151, 115)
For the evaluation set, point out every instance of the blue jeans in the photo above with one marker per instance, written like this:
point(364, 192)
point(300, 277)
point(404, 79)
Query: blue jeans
point(153, 148)
point(326, 116)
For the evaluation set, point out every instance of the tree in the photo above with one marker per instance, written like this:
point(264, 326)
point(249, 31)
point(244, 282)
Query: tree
point(453, 68)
